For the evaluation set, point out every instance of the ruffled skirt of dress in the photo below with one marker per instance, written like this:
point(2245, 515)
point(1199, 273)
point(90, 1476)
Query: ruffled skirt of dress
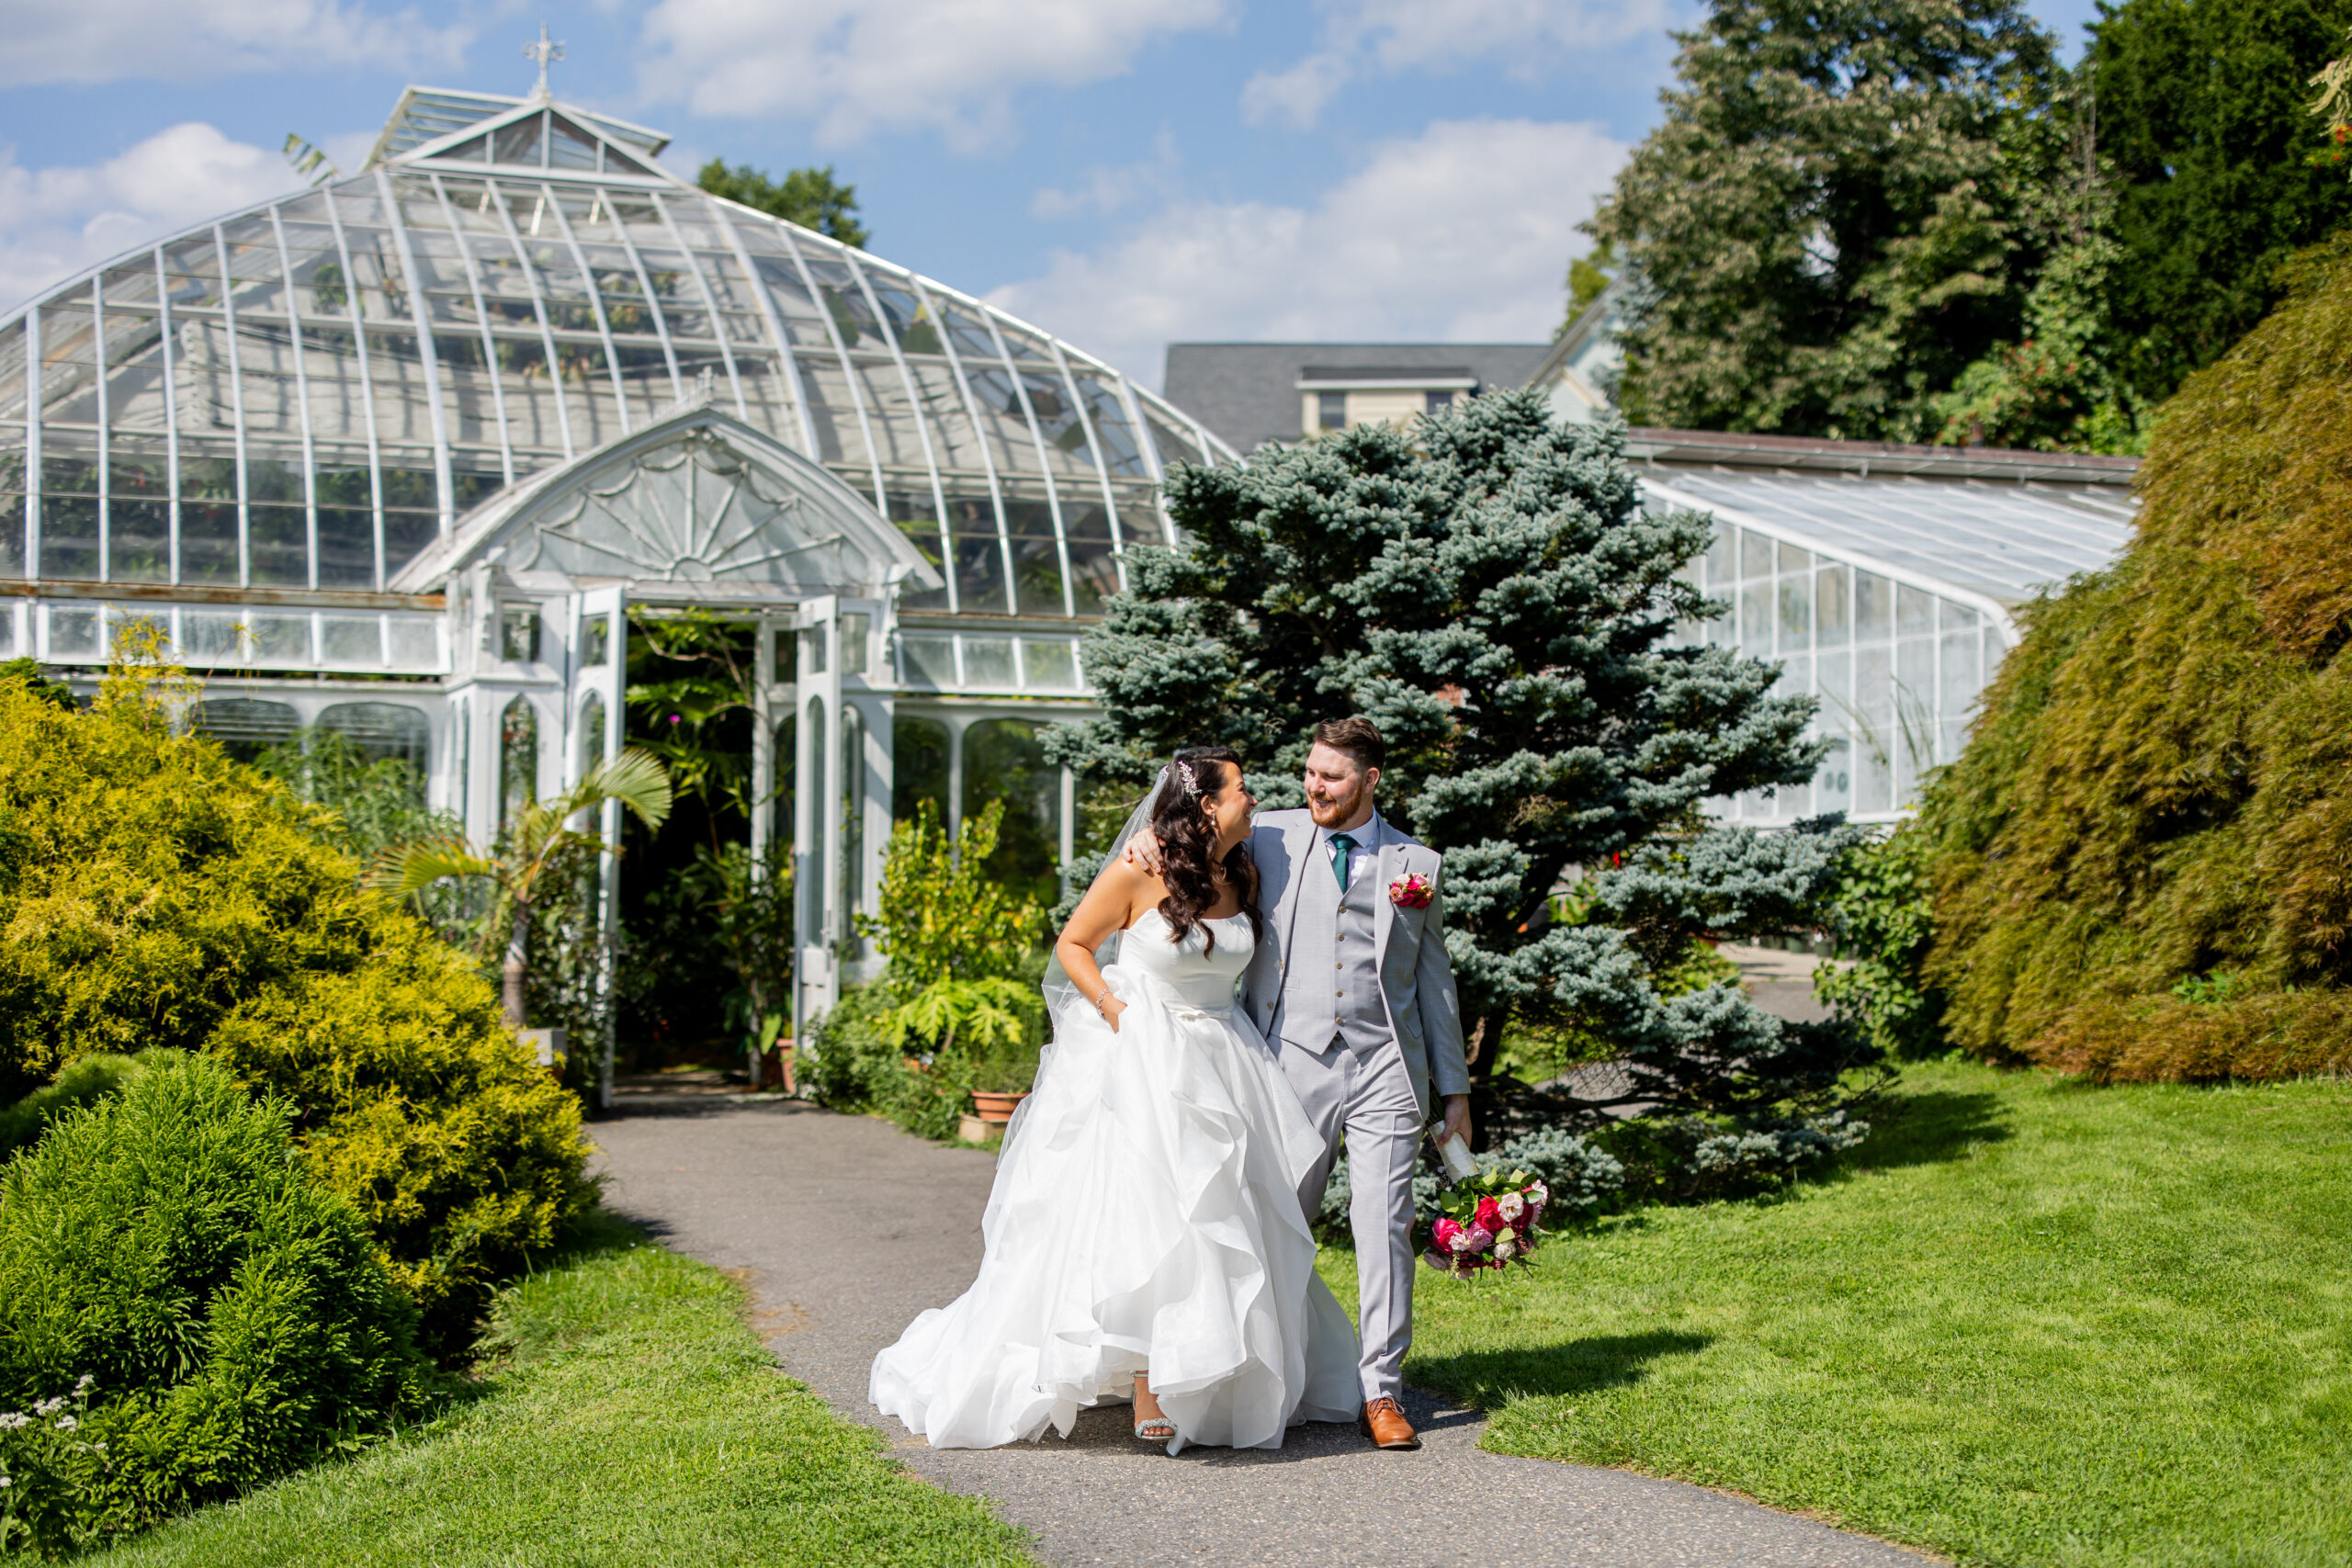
point(1145, 1217)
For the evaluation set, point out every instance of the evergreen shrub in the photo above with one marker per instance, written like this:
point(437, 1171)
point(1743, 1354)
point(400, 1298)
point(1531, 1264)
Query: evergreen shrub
point(184, 1313)
point(155, 892)
point(84, 1082)
point(2140, 860)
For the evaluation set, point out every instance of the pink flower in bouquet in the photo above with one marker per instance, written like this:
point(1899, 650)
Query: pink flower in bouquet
point(1448, 1235)
point(1480, 1237)
point(1412, 891)
point(1491, 1214)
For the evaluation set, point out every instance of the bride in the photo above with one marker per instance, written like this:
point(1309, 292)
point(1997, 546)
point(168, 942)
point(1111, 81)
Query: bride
point(1144, 1236)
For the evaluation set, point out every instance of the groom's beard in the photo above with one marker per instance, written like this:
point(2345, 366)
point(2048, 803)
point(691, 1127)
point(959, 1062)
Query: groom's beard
point(1339, 810)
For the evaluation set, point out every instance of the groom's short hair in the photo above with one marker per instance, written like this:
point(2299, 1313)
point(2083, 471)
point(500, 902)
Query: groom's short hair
point(1356, 735)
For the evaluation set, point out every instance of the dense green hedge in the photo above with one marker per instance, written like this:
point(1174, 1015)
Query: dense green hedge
point(184, 1313)
point(155, 892)
point(2143, 864)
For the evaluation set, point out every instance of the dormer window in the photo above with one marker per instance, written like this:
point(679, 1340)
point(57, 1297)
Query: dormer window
point(518, 634)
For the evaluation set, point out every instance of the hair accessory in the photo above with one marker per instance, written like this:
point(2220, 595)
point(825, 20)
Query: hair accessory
point(1184, 775)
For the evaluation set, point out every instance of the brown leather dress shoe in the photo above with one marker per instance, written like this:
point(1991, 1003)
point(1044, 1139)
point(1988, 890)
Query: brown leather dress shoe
point(1387, 1426)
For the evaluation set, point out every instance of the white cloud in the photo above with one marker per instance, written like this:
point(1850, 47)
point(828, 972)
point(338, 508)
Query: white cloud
point(1460, 235)
point(1362, 37)
point(111, 40)
point(1108, 188)
point(860, 67)
point(57, 221)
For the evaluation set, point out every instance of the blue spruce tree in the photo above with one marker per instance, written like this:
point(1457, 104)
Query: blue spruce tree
point(1488, 590)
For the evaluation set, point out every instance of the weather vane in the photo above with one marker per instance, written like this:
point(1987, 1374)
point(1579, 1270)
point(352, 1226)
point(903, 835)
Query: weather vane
point(547, 53)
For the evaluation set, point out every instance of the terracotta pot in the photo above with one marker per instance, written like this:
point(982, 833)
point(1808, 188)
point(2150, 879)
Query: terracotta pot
point(775, 1067)
point(996, 1109)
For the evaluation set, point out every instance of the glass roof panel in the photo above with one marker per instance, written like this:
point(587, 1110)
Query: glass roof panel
point(525, 141)
point(560, 312)
point(2005, 541)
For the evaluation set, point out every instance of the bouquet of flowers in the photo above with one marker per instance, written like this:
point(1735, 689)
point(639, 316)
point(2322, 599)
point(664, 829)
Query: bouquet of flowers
point(1486, 1221)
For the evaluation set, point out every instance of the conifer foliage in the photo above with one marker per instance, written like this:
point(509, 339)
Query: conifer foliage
point(1488, 590)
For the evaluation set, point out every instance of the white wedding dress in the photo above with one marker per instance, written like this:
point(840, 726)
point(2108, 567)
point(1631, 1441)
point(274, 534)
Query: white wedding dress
point(1145, 1218)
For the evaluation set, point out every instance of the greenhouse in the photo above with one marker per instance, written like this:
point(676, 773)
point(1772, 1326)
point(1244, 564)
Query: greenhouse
point(399, 455)
point(1885, 580)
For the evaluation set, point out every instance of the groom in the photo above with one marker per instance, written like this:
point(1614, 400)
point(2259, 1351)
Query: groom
point(1352, 985)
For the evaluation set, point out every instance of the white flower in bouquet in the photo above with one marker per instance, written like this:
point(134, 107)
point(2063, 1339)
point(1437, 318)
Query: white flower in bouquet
point(1506, 1247)
point(1461, 1241)
point(1512, 1206)
point(1538, 1194)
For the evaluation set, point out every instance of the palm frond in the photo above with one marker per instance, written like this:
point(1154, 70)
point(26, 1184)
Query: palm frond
point(404, 869)
point(636, 778)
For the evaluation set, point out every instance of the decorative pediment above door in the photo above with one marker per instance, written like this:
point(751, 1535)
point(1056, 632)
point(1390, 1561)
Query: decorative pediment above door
point(699, 507)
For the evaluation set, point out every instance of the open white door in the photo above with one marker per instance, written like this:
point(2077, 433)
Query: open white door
point(816, 829)
point(597, 683)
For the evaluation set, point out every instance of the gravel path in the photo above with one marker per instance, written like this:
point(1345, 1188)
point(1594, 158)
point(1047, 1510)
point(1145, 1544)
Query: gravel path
point(788, 1196)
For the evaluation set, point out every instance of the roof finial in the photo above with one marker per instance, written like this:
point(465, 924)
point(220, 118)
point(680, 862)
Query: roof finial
point(547, 53)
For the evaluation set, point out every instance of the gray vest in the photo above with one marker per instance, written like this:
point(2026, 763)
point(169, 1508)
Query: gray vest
point(1333, 984)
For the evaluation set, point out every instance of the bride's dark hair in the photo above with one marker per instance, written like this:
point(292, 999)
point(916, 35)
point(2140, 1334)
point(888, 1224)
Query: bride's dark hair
point(1186, 842)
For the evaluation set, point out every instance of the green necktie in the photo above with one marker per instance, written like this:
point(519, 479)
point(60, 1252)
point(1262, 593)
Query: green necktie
point(1342, 846)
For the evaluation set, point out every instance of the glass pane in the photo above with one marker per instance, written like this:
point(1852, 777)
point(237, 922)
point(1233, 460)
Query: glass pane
point(1830, 611)
point(1793, 559)
point(1754, 555)
point(918, 767)
point(383, 732)
point(1049, 666)
point(1915, 611)
point(356, 640)
point(69, 536)
point(245, 726)
point(592, 732)
point(280, 546)
point(1756, 619)
point(810, 873)
point(1037, 577)
point(347, 546)
point(928, 660)
point(518, 760)
point(852, 830)
point(139, 539)
point(1796, 613)
point(979, 574)
point(917, 519)
point(519, 143)
point(1723, 551)
point(281, 639)
point(568, 146)
point(987, 662)
point(1874, 607)
point(1003, 761)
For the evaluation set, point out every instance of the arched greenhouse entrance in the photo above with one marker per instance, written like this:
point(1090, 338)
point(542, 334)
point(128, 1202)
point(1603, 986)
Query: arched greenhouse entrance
point(698, 517)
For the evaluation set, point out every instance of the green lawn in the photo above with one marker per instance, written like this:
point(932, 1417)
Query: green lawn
point(2031, 1322)
point(634, 1420)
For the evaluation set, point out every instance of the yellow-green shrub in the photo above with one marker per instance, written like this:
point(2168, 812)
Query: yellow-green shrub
point(155, 892)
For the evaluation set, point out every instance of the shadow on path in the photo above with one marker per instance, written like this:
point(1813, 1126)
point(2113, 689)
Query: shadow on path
point(1487, 1378)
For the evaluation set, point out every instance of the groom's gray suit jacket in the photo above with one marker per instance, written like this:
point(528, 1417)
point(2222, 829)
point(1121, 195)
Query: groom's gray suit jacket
point(1415, 994)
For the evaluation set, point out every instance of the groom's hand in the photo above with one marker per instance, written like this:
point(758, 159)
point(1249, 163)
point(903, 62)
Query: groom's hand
point(1457, 1119)
point(1142, 853)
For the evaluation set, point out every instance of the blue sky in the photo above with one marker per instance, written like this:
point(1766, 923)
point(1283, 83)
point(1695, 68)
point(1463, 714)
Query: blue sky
point(1124, 171)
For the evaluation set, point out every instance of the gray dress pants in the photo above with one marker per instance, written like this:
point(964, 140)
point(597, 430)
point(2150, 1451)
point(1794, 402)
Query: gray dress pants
point(1366, 1097)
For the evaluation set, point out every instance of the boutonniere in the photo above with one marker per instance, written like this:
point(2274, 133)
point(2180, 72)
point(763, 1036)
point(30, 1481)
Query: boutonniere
point(1411, 891)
